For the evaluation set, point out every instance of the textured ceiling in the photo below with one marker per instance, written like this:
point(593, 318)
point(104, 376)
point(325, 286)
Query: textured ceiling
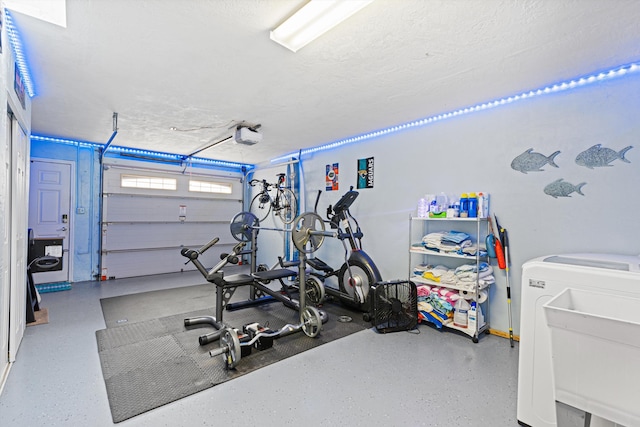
point(203, 65)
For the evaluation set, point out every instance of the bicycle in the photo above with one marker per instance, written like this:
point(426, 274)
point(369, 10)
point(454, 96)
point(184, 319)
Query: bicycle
point(284, 205)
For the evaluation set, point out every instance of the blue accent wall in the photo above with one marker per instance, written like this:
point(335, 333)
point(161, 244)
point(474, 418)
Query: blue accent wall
point(85, 212)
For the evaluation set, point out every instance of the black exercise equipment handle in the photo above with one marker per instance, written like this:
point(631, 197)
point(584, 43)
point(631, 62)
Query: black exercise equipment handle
point(345, 201)
point(230, 258)
point(208, 245)
point(193, 254)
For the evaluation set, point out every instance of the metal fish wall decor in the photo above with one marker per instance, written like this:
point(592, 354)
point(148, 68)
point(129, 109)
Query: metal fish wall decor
point(561, 188)
point(530, 161)
point(599, 156)
point(593, 157)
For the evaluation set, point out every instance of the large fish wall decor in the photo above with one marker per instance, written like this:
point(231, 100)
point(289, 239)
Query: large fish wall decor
point(561, 188)
point(530, 161)
point(599, 156)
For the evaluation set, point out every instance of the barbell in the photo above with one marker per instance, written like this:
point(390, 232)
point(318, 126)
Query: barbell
point(244, 224)
point(231, 347)
point(307, 233)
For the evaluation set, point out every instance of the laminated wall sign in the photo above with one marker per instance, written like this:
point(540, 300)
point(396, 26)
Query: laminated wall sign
point(365, 173)
point(331, 178)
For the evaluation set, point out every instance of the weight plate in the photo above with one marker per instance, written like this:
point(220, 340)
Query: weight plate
point(311, 322)
point(242, 226)
point(229, 339)
point(302, 234)
point(314, 289)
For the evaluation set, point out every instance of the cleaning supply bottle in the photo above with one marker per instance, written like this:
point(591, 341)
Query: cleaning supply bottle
point(423, 208)
point(472, 316)
point(483, 205)
point(442, 203)
point(461, 313)
point(473, 205)
point(464, 205)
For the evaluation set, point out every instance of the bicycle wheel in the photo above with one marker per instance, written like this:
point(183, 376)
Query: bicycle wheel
point(288, 205)
point(261, 206)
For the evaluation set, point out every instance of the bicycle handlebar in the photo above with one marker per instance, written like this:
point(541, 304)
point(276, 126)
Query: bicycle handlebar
point(264, 183)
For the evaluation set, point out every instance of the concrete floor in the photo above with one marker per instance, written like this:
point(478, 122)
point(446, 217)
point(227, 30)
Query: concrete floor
point(430, 378)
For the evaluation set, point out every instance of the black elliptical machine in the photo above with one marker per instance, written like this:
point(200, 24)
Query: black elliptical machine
point(358, 275)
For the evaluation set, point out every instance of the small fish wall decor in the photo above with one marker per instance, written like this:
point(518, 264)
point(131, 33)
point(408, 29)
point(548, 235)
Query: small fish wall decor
point(599, 156)
point(561, 188)
point(530, 161)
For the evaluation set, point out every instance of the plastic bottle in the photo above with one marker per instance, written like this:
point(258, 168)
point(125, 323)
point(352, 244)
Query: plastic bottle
point(483, 205)
point(464, 205)
point(429, 198)
point(472, 316)
point(473, 205)
point(423, 207)
point(461, 313)
point(442, 203)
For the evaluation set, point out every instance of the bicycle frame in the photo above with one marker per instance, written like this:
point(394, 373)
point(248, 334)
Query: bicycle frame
point(284, 204)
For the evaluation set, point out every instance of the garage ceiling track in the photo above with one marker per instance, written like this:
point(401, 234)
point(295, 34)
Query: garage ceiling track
point(202, 67)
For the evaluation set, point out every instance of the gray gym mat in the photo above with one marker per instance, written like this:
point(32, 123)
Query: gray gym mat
point(152, 305)
point(155, 361)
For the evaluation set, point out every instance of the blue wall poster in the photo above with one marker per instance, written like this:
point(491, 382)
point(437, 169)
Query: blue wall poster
point(365, 173)
point(332, 177)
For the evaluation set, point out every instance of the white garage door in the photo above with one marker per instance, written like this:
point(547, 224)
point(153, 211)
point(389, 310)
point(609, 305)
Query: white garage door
point(149, 214)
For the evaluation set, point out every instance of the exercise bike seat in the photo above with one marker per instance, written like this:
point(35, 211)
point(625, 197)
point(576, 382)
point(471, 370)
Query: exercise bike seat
point(279, 273)
point(319, 265)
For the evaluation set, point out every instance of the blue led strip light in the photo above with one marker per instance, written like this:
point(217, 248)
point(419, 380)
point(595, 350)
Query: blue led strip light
point(21, 61)
point(558, 87)
point(65, 141)
point(151, 154)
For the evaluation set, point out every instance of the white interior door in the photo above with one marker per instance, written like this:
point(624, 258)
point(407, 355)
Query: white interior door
point(5, 250)
point(50, 214)
point(19, 204)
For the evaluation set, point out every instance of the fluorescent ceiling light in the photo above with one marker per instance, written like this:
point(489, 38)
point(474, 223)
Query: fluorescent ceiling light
point(313, 20)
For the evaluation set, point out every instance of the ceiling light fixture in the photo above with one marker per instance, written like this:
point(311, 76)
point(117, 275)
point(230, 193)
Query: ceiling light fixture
point(313, 20)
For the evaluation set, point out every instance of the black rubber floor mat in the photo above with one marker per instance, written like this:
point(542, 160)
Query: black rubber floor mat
point(153, 362)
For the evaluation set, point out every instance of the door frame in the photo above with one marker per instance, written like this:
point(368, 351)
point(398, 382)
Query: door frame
point(5, 285)
point(18, 251)
point(72, 209)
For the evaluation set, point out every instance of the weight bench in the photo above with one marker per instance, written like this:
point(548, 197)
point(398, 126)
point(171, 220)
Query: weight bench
point(263, 295)
point(227, 285)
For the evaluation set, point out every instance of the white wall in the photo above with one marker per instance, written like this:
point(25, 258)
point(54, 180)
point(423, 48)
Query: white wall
point(474, 153)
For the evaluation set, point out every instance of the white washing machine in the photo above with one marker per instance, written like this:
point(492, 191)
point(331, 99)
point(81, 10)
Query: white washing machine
point(542, 279)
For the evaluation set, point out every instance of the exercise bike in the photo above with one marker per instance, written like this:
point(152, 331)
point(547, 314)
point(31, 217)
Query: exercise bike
point(233, 343)
point(359, 273)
